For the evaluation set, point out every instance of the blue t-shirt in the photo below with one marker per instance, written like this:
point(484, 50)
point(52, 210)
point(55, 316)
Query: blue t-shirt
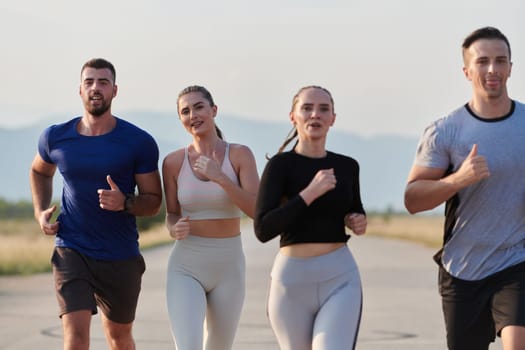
point(84, 162)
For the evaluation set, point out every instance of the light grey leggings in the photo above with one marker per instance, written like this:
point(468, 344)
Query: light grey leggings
point(315, 303)
point(206, 280)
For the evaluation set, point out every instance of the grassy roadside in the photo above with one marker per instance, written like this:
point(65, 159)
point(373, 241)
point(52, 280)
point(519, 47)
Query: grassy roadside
point(425, 229)
point(25, 250)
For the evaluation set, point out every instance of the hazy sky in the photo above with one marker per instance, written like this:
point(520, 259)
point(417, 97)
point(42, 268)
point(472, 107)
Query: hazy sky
point(392, 66)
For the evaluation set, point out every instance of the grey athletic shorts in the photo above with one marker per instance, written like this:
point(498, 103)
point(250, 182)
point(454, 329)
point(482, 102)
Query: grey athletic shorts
point(83, 283)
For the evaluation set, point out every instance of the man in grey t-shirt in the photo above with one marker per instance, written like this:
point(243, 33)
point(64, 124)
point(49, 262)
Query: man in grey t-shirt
point(473, 160)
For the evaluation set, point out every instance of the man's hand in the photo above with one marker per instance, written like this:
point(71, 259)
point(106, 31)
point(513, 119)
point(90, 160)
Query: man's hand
point(112, 199)
point(48, 228)
point(473, 169)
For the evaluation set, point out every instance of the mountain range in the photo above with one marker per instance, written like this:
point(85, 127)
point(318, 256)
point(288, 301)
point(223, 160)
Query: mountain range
point(384, 160)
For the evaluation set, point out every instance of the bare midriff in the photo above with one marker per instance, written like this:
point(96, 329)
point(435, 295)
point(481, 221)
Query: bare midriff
point(306, 250)
point(216, 228)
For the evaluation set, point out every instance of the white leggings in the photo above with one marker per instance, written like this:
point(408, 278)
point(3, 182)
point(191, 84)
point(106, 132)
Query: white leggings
point(315, 303)
point(206, 280)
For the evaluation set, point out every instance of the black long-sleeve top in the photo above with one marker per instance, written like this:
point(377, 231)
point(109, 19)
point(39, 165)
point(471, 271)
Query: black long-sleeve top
point(281, 211)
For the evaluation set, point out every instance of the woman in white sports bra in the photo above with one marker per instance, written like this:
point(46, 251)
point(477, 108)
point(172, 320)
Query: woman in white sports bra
point(207, 185)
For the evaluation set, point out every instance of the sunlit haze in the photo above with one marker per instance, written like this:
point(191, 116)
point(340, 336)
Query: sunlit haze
point(392, 66)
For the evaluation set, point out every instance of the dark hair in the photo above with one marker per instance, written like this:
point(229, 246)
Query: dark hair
point(206, 94)
point(484, 33)
point(293, 133)
point(100, 63)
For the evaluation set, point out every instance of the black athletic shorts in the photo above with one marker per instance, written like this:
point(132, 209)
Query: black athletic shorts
point(83, 283)
point(475, 311)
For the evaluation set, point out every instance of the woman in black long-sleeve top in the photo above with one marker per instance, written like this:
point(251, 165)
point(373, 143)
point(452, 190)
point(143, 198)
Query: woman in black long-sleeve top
point(307, 196)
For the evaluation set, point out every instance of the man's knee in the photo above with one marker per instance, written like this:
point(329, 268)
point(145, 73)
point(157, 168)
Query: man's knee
point(119, 335)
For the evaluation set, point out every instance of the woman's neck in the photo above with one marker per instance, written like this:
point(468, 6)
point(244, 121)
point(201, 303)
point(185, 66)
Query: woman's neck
point(311, 149)
point(206, 146)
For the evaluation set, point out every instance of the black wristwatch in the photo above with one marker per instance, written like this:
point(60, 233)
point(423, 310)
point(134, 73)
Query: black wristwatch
point(129, 201)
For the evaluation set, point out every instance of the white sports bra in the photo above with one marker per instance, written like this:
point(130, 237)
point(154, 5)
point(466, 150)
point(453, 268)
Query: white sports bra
point(201, 199)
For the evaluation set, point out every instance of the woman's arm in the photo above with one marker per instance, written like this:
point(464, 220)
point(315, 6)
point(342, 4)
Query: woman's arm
point(170, 171)
point(273, 212)
point(244, 194)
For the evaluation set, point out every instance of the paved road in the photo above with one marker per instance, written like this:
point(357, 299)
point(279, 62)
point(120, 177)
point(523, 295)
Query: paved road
point(401, 306)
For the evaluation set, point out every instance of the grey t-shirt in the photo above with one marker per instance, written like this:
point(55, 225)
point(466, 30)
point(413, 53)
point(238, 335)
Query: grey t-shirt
point(486, 220)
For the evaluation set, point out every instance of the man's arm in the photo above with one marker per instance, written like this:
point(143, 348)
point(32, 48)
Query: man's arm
point(149, 198)
point(41, 181)
point(427, 188)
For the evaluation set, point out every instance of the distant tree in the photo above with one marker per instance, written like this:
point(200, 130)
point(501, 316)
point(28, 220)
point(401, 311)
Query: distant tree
point(15, 210)
point(387, 214)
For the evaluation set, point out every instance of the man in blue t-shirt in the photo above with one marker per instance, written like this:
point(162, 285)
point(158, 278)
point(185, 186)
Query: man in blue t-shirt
point(473, 160)
point(96, 260)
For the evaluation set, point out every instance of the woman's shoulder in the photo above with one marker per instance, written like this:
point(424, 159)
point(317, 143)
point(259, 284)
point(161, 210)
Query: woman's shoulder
point(238, 150)
point(283, 160)
point(338, 157)
point(237, 147)
point(174, 158)
point(285, 155)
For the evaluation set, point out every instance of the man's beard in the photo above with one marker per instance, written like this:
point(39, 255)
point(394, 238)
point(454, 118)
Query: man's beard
point(100, 110)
